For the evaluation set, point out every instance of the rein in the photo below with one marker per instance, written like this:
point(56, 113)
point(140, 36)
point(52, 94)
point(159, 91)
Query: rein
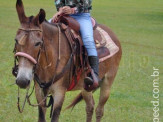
point(27, 98)
point(18, 102)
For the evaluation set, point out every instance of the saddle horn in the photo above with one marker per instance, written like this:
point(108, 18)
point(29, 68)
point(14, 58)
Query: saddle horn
point(20, 11)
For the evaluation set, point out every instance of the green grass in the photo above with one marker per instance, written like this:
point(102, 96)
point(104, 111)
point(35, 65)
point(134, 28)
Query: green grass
point(139, 26)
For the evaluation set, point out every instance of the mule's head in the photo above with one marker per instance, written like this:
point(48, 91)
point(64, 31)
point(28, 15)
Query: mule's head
point(28, 43)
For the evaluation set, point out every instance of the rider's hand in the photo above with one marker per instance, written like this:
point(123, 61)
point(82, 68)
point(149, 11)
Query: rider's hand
point(56, 15)
point(67, 10)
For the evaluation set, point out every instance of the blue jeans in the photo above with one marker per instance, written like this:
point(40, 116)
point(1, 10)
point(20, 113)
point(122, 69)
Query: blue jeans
point(86, 31)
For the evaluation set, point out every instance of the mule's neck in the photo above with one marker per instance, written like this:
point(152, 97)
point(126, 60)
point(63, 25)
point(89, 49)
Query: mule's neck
point(49, 30)
point(50, 55)
point(49, 52)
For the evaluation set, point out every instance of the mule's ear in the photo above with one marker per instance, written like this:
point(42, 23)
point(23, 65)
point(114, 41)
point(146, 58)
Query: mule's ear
point(40, 17)
point(20, 11)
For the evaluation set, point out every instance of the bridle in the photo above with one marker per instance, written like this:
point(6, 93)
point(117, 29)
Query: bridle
point(23, 54)
point(55, 78)
point(28, 30)
point(15, 69)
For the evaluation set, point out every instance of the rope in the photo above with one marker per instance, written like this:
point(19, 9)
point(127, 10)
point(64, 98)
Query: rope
point(18, 103)
point(59, 44)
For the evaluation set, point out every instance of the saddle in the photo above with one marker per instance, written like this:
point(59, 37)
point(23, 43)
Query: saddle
point(105, 46)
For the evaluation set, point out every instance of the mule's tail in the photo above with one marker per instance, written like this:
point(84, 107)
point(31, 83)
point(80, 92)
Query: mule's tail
point(75, 101)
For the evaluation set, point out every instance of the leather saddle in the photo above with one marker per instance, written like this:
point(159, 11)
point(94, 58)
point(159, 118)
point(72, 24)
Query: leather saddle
point(74, 28)
point(80, 58)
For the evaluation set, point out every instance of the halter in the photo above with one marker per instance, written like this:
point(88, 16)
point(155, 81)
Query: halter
point(15, 69)
point(23, 54)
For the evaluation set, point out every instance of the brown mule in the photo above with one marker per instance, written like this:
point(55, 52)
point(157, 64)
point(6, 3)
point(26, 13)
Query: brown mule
point(39, 51)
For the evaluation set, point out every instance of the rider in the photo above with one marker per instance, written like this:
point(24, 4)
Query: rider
point(80, 11)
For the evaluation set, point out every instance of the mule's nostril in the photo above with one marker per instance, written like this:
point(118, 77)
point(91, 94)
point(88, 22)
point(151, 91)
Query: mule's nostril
point(22, 83)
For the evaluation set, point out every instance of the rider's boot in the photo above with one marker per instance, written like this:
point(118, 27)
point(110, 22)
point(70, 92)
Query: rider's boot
point(92, 80)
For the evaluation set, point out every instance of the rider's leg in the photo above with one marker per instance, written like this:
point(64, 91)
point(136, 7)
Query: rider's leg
point(86, 31)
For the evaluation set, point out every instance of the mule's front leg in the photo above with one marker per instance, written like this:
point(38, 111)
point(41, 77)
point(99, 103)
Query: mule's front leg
point(58, 97)
point(40, 96)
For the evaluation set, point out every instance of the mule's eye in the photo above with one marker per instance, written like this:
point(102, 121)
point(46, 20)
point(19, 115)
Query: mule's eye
point(38, 44)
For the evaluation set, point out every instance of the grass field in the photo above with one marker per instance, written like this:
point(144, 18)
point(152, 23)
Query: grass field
point(139, 26)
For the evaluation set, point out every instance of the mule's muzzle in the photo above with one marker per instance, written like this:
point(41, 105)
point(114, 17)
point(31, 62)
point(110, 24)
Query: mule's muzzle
point(22, 83)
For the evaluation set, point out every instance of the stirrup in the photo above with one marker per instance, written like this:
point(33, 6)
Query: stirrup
point(92, 82)
point(88, 80)
point(90, 88)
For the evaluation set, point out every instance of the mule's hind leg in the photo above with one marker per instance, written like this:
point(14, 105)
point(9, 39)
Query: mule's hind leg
point(88, 97)
point(40, 97)
point(104, 95)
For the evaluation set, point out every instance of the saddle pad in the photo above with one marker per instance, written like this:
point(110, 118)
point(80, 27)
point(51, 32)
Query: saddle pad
point(106, 47)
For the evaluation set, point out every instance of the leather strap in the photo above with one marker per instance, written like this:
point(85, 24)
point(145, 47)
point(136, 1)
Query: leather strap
point(56, 77)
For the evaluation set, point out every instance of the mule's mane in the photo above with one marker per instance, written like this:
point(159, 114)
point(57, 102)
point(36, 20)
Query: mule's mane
point(50, 28)
point(53, 24)
point(31, 18)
